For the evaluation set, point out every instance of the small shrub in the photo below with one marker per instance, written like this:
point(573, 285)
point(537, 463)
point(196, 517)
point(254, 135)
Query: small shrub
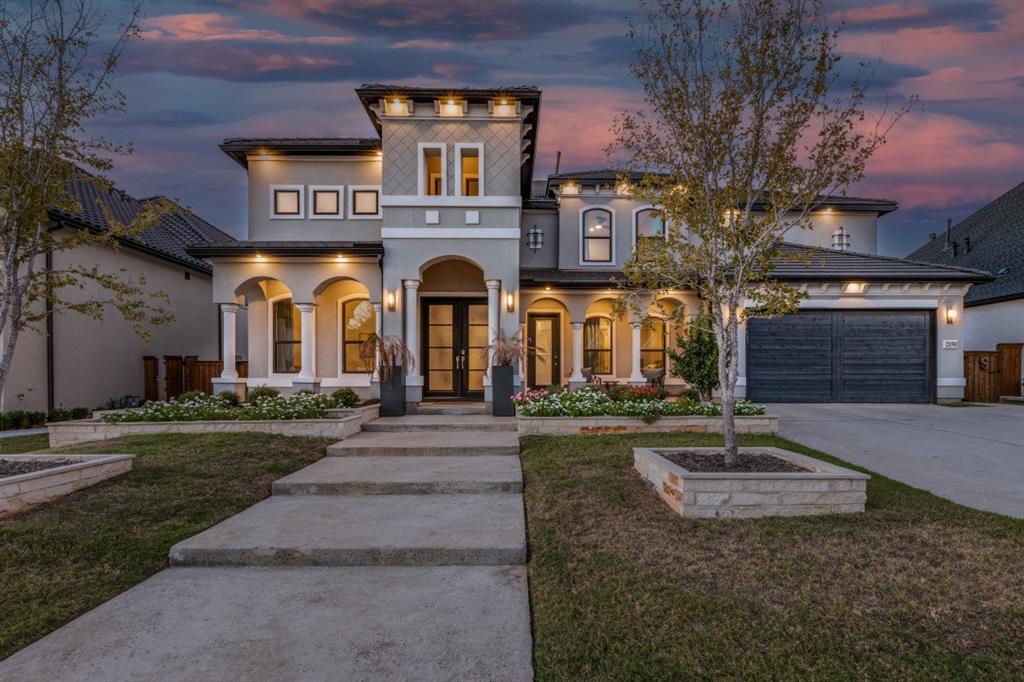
point(188, 396)
point(591, 402)
point(305, 391)
point(345, 397)
point(697, 360)
point(620, 393)
point(229, 398)
point(258, 392)
point(123, 403)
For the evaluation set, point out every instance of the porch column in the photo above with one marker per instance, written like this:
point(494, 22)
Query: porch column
point(378, 315)
point(637, 375)
point(306, 310)
point(411, 288)
point(227, 316)
point(493, 294)
point(577, 378)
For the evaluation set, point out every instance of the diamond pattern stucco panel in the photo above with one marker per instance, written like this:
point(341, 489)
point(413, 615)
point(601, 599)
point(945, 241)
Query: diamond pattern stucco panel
point(501, 152)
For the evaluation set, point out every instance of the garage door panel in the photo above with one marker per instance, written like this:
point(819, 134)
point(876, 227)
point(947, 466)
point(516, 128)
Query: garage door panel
point(844, 356)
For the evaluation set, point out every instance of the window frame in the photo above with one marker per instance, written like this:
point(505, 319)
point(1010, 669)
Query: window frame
point(352, 190)
point(479, 147)
point(314, 190)
point(421, 180)
point(272, 337)
point(664, 344)
point(582, 233)
point(636, 222)
point(611, 345)
point(300, 215)
point(343, 327)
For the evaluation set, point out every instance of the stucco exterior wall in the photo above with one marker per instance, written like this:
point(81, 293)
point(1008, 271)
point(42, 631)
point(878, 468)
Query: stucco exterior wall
point(307, 171)
point(987, 325)
point(546, 256)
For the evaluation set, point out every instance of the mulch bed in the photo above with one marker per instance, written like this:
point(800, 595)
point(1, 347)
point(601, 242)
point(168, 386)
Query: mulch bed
point(745, 463)
point(13, 467)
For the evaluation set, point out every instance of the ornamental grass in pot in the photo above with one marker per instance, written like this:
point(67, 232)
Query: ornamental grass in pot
point(390, 354)
point(504, 351)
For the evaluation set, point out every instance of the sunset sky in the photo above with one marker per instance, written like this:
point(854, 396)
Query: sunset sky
point(234, 68)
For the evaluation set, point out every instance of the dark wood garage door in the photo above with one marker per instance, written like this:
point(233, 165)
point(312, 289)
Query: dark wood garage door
point(851, 356)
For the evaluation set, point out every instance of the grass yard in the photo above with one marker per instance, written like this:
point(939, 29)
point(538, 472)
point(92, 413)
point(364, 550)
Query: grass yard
point(623, 589)
point(61, 559)
point(18, 444)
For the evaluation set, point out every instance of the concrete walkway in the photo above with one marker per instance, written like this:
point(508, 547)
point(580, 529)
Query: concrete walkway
point(972, 455)
point(359, 567)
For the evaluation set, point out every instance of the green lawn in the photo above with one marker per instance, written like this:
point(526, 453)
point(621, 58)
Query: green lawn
point(18, 444)
point(623, 589)
point(63, 558)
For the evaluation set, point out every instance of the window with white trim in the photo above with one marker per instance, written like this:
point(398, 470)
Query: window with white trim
point(363, 201)
point(432, 181)
point(652, 344)
point(469, 163)
point(597, 345)
point(359, 322)
point(325, 202)
point(287, 337)
point(286, 202)
point(648, 223)
point(597, 236)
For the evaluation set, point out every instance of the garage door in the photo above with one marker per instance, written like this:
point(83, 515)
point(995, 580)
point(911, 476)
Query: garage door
point(851, 356)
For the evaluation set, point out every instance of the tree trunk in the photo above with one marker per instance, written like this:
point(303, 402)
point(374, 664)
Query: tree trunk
point(725, 332)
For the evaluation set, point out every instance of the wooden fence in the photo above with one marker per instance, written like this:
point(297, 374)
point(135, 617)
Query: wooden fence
point(991, 374)
point(183, 374)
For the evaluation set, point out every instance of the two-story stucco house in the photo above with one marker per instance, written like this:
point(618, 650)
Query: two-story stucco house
point(432, 232)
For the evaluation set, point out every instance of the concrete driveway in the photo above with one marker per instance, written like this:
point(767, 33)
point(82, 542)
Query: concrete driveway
point(972, 455)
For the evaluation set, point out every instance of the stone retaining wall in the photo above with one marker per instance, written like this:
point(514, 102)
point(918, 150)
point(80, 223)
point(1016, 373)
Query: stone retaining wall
point(18, 493)
point(67, 433)
point(569, 426)
point(825, 489)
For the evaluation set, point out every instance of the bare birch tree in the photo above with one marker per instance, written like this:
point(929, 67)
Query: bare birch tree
point(54, 79)
point(741, 134)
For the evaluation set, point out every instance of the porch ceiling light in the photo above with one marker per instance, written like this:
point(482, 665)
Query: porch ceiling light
point(259, 256)
point(570, 187)
point(535, 238)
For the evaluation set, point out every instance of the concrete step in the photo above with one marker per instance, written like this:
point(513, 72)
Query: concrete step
point(457, 409)
point(365, 530)
point(404, 476)
point(437, 443)
point(438, 422)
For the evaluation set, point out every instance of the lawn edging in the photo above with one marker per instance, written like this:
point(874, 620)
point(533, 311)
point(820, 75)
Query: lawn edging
point(765, 424)
point(18, 493)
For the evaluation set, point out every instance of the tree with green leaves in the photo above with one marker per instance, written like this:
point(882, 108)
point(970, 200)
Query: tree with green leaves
point(743, 131)
point(696, 361)
point(54, 80)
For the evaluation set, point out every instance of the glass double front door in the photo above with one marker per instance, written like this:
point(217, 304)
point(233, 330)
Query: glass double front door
point(454, 347)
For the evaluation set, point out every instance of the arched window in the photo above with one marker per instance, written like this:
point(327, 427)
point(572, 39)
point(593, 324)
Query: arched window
point(358, 322)
point(287, 331)
point(648, 223)
point(597, 345)
point(652, 344)
point(597, 227)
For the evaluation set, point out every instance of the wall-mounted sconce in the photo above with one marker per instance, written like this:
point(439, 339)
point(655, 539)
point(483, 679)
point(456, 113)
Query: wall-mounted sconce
point(951, 314)
point(510, 302)
point(535, 239)
point(391, 301)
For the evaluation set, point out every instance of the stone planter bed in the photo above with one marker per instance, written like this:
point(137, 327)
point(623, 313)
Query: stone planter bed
point(55, 476)
point(568, 426)
point(67, 433)
point(364, 412)
point(822, 489)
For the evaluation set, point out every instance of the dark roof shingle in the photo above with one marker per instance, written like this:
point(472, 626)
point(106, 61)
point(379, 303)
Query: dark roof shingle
point(996, 237)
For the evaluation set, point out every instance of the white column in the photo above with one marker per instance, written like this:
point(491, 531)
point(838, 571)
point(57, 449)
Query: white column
point(306, 310)
point(637, 375)
point(378, 315)
point(411, 288)
point(493, 295)
point(577, 354)
point(227, 315)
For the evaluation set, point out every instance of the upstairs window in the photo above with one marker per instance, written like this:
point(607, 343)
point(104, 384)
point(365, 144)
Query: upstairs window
point(433, 181)
point(469, 161)
point(597, 228)
point(287, 332)
point(286, 201)
point(363, 201)
point(648, 224)
point(325, 201)
point(597, 345)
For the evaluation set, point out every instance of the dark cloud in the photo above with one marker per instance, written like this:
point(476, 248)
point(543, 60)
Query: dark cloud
point(876, 74)
point(461, 20)
point(973, 15)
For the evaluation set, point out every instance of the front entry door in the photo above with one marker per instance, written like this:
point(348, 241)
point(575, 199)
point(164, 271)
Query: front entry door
point(543, 367)
point(454, 347)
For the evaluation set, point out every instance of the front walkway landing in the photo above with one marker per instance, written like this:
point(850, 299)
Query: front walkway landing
point(363, 566)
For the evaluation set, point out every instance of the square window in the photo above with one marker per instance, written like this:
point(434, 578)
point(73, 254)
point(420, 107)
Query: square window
point(287, 202)
point(365, 202)
point(326, 202)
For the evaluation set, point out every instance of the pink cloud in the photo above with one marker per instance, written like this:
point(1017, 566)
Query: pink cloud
point(213, 27)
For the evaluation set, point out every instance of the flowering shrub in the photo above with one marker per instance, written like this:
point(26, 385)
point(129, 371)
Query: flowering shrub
point(589, 402)
point(203, 407)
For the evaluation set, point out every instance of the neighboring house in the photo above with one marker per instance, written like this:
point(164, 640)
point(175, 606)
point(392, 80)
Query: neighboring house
point(83, 362)
point(990, 239)
point(431, 232)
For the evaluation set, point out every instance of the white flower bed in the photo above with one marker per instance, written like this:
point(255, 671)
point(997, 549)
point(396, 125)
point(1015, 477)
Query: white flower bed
point(642, 403)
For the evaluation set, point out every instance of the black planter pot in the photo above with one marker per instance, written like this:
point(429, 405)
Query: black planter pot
point(501, 391)
point(392, 393)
